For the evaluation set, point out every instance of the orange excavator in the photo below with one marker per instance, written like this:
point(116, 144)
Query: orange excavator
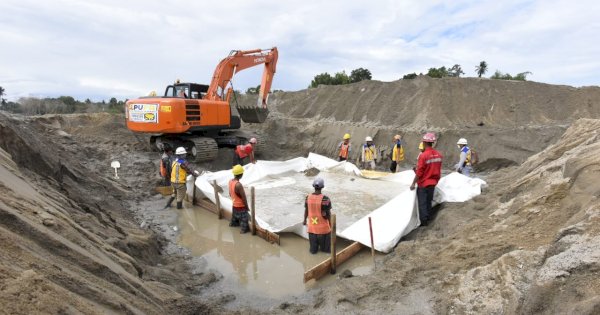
point(199, 117)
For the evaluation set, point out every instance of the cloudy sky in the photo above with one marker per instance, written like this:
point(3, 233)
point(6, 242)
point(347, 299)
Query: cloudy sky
point(124, 49)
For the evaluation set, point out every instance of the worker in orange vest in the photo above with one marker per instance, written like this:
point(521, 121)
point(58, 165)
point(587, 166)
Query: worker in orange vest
point(239, 212)
point(317, 210)
point(243, 151)
point(344, 148)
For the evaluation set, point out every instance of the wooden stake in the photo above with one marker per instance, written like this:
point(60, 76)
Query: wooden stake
point(217, 200)
point(253, 210)
point(194, 193)
point(372, 243)
point(333, 240)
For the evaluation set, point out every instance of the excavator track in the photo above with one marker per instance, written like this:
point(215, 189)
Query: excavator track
point(200, 149)
point(203, 149)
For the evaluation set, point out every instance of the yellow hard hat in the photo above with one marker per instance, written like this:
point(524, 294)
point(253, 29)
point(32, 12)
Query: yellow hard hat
point(237, 170)
point(347, 136)
point(152, 93)
point(421, 147)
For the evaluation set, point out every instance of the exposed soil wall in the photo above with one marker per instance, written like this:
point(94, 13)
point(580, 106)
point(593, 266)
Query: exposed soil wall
point(69, 243)
point(507, 121)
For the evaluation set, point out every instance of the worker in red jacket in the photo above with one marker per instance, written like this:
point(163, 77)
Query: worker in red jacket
point(427, 175)
point(243, 151)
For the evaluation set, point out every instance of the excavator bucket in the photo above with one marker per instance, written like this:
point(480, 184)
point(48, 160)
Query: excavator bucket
point(251, 114)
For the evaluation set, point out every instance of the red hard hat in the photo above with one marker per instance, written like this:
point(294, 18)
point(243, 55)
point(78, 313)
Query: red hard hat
point(429, 137)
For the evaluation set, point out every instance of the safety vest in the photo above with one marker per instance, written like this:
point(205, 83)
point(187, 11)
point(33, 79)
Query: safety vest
point(317, 224)
point(370, 152)
point(243, 150)
point(178, 173)
point(344, 150)
point(238, 202)
point(398, 152)
point(468, 152)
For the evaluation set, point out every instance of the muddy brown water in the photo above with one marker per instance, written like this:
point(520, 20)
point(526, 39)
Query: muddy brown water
point(259, 274)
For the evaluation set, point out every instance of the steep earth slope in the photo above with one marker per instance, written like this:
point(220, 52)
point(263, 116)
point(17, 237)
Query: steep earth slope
point(69, 243)
point(507, 121)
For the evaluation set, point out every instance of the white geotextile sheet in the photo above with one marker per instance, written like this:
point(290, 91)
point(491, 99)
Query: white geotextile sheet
point(394, 219)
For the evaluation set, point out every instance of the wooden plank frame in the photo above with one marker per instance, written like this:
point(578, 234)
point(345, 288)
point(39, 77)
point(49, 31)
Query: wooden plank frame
point(324, 268)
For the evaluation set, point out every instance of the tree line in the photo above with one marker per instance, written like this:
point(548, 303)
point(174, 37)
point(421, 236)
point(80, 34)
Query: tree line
point(58, 105)
point(454, 71)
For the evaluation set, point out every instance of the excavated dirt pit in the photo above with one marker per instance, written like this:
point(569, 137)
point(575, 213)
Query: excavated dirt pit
point(529, 245)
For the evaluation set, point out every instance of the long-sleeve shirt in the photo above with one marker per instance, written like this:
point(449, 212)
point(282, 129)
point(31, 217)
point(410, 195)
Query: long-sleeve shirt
point(349, 147)
point(463, 158)
point(429, 168)
point(369, 153)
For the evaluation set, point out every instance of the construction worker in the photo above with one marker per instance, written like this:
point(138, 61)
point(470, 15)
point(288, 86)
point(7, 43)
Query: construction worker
point(239, 211)
point(464, 163)
point(165, 164)
point(243, 151)
point(344, 148)
point(427, 175)
point(369, 154)
point(317, 211)
point(180, 168)
point(397, 154)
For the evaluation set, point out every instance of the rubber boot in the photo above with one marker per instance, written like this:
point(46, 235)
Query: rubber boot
point(180, 205)
point(169, 203)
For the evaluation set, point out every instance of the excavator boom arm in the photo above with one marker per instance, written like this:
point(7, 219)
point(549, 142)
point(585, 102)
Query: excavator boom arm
point(237, 61)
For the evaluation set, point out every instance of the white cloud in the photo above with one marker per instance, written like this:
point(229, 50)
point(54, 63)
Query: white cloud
point(126, 48)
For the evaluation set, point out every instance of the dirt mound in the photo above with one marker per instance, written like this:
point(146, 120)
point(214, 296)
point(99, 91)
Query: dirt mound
point(507, 120)
point(530, 244)
point(69, 242)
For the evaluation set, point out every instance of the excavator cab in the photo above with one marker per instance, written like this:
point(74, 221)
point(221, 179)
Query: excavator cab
point(186, 90)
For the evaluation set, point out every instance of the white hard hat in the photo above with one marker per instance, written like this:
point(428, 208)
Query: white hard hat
point(180, 150)
point(368, 139)
point(252, 140)
point(462, 141)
